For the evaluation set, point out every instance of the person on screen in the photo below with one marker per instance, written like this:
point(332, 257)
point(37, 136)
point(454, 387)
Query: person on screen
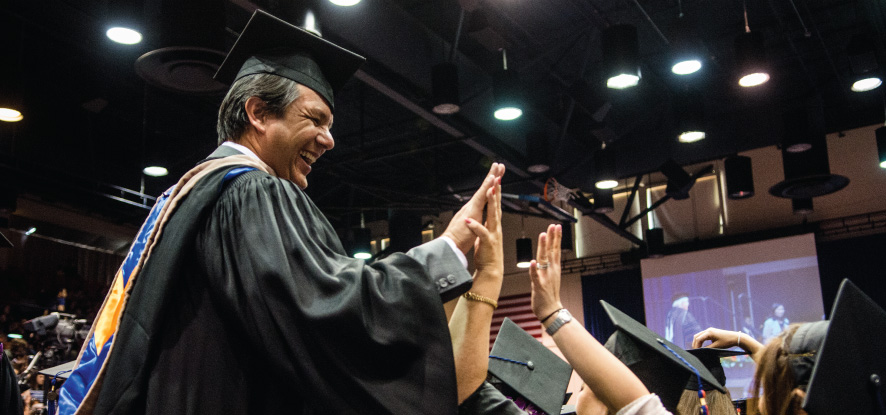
point(775, 324)
point(749, 329)
point(680, 324)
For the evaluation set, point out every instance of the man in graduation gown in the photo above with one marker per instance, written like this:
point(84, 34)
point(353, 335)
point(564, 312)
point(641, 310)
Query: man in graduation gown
point(237, 296)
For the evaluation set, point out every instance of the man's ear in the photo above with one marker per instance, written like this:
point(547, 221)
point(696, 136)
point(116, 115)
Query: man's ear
point(255, 110)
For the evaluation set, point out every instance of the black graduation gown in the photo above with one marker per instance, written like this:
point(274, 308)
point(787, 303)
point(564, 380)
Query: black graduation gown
point(253, 306)
point(10, 397)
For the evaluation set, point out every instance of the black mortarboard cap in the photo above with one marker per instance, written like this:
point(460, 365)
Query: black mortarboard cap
point(850, 370)
point(270, 45)
point(710, 357)
point(644, 352)
point(4, 242)
point(539, 376)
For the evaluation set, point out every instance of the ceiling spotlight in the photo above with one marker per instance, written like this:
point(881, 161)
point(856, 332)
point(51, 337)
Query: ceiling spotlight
point(866, 84)
point(691, 136)
point(155, 171)
point(604, 170)
point(524, 252)
point(863, 62)
point(345, 3)
point(30, 231)
point(362, 243)
point(686, 67)
point(622, 81)
point(124, 35)
point(751, 56)
point(603, 201)
point(537, 152)
point(10, 115)
point(444, 87)
point(506, 93)
point(739, 177)
point(690, 116)
point(754, 79)
point(621, 56)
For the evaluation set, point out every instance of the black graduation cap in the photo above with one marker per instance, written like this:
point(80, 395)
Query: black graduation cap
point(529, 368)
point(664, 370)
point(710, 357)
point(850, 370)
point(270, 45)
point(4, 242)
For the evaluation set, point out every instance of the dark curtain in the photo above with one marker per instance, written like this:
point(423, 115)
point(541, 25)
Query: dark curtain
point(623, 289)
point(861, 259)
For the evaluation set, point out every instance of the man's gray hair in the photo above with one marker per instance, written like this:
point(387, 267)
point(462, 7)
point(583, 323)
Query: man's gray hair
point(276, 92)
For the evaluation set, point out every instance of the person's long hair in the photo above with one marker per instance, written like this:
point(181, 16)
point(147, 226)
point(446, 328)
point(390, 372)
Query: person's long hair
point(719, 403)
point(774, 381)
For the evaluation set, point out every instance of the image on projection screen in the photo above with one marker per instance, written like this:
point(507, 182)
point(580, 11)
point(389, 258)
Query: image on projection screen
point(756, 288)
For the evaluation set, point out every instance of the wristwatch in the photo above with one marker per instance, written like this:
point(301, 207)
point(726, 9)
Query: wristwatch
point(563, 317)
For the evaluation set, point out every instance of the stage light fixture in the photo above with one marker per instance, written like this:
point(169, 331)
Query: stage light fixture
point(604, 170)
point(537, 152)
point(444, 87)
point(362, 244)
point(686, 49)
point(687, 67)
point(863, 62)
point(524, 252)
point(603, 201)
point(506, 92)
point(690, 117)
point(866, 84)
point(124, 35)
point(345, 3)
point(621, 56)
point(750, 54)
point(739, 177)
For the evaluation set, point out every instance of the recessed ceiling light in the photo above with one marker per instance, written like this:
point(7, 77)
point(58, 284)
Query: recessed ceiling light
point(124, 35)
point(10, 115)
point(344, 2)
point(866, 84)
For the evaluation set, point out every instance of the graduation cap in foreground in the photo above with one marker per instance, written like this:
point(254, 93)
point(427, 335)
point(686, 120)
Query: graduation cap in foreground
point(850, 370)
point(4, 242)
point(61, 371)
point(710, 358)
point(529, 368)
point(272, 46)
point(661, 365)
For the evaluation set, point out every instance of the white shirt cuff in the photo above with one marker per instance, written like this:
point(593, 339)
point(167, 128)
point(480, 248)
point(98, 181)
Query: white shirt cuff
point(458, 252)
